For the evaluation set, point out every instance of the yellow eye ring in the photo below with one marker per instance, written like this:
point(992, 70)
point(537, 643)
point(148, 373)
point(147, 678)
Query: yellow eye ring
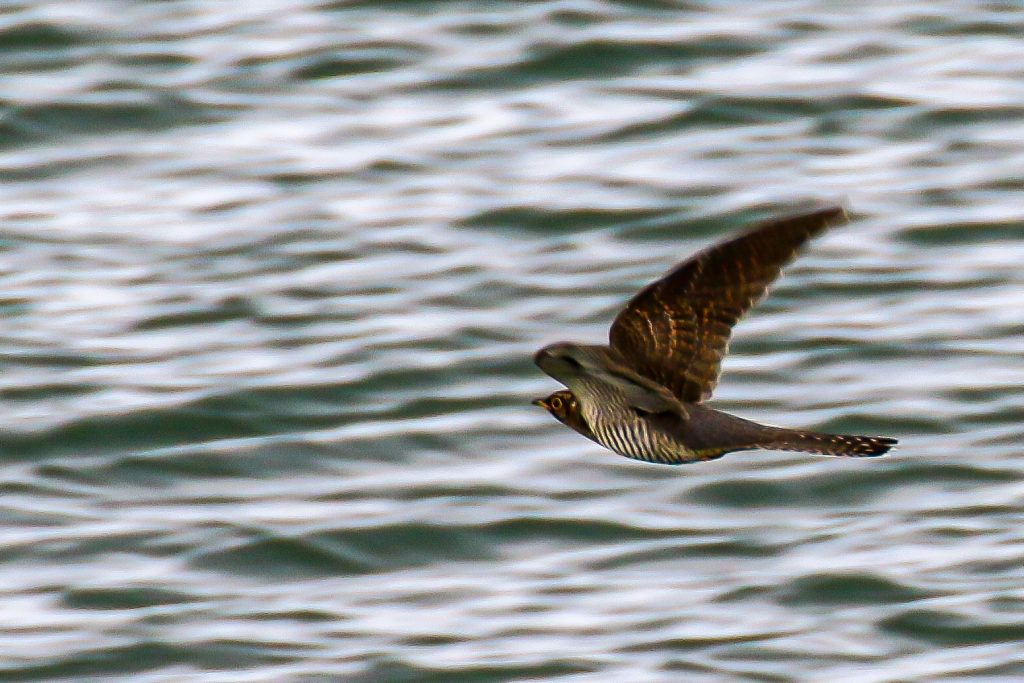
point(556, 403)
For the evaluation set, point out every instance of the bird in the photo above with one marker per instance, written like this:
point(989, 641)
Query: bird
point(643, 395)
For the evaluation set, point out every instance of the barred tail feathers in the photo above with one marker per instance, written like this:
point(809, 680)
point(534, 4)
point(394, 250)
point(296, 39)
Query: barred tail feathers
point(709, 428)
point(843, 445)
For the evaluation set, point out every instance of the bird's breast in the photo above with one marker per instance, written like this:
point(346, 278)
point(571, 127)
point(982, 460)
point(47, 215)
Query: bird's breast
point(619, 428)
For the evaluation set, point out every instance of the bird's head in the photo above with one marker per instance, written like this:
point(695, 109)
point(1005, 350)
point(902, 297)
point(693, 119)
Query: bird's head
point(566, 409)
point(558, 404)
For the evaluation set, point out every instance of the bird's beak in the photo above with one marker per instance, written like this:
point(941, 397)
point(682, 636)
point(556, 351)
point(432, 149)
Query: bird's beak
point(539, 402)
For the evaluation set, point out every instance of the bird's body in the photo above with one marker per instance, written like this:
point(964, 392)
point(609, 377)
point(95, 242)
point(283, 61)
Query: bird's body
point(642, 395)
point(618, 426)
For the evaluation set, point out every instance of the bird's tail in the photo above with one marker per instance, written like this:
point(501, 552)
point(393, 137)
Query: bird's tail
point(825, 444)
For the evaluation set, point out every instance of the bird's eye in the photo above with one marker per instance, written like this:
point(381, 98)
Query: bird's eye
point(556, 403)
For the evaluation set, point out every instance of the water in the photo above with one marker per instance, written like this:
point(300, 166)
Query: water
point(272, 275)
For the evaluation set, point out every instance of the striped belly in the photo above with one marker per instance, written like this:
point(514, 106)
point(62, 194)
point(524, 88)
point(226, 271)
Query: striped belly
point(618, 428)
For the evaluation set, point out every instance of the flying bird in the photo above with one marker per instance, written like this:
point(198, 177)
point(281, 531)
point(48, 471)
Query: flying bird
point(643, 395)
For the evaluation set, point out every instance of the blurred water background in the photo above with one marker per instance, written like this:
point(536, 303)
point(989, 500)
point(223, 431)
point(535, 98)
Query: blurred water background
point(272, 273)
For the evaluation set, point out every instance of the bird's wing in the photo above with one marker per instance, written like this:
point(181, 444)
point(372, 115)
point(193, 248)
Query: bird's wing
point(676, 330)
point(602, 365)
point(639, 391)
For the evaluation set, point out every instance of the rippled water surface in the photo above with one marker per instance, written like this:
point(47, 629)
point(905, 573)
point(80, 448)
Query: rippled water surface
point(272, 275)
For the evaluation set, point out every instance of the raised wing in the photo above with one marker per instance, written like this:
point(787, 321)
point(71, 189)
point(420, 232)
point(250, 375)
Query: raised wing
point(594, 372)
point(676, 330)
point(639, 391)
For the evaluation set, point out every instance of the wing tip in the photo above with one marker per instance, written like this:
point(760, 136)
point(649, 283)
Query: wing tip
point(829, 213)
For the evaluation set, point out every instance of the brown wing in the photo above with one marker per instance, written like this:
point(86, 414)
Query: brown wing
point(676, 330)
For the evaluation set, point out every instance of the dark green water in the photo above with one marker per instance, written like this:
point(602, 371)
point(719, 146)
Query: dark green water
point(273, 273)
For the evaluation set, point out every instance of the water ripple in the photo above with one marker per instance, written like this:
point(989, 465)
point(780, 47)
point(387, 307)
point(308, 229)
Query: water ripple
point(273, 275)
